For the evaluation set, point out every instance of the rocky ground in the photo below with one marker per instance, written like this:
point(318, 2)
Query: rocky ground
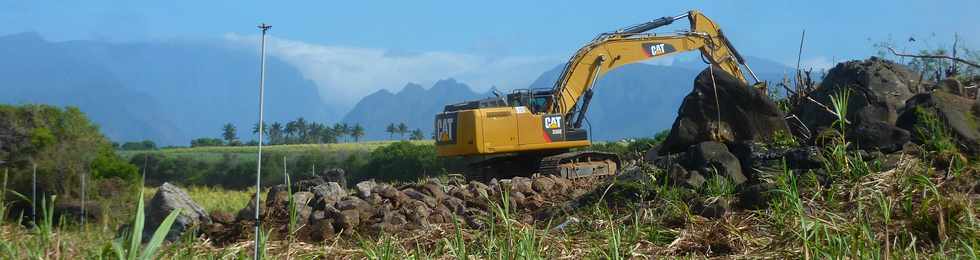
point(731, 161)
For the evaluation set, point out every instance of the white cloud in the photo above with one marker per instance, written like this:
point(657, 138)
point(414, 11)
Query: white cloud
point(346, 74)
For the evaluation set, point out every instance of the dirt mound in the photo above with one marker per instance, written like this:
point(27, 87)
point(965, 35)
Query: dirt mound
point(323, 211)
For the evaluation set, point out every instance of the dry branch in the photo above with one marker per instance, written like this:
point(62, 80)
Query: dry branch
point(930, 56)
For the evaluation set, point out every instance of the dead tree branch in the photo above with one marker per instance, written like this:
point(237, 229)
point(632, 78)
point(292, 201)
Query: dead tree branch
point(934, 57)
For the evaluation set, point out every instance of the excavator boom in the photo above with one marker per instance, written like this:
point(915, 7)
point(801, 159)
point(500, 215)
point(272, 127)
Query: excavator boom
point(634, 44)
point(536, 129)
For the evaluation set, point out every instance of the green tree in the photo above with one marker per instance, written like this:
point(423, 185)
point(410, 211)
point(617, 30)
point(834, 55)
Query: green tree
point(328, 135)
point(275, 133)
point(149, 145)
point(290, 131)
point(265, 128)
point(402, 129)
point(314, 133)
point(391, 129)
point(200, 142)
point(64, 144)
point(339, 130)
point(357, 132)
point(417, 134)
point(302, 130)
point(229, 133)
point(346, 130)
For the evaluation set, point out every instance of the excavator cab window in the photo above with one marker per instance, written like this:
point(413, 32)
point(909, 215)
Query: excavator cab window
point(539, 104)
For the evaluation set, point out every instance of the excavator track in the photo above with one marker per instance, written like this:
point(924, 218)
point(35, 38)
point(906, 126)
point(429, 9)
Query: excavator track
point(582, 165)
point(574, 165)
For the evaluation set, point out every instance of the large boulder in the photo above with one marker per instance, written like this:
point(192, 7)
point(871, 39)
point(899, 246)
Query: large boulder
point(746, 114)
point(955, 113)
point(167, 199)
point(713, 157)
point(878, 89)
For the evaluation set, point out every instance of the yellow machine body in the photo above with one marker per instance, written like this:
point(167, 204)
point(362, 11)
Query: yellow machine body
point(501, 130)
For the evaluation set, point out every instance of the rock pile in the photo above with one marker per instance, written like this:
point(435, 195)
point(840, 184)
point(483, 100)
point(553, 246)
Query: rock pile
point(325, 209)
point(726, 128)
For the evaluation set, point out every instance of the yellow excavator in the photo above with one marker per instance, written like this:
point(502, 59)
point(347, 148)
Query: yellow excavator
point(534, 130)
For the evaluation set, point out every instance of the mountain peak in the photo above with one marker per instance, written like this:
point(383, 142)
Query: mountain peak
point(412, 88)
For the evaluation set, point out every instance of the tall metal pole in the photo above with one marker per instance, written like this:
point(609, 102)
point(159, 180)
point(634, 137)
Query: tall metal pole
point(258, 169)
point(34, 194)
point(84, 173)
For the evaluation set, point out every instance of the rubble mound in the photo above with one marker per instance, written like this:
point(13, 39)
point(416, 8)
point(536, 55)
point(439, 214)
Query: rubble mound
point(324, 209)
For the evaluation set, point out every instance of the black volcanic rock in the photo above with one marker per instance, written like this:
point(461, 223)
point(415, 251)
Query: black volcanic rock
point(723, 109)
point(877, 88)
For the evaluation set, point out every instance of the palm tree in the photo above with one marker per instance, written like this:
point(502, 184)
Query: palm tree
point(315, 129)
point(302, 129)
point(275, 133)
point(229, 133)
point(328, 135)
point(290, 130)
point(357, 132)
point(341, 130)
point(265, 128)
point(402, 129)
point(391, 129)
point(417, 134)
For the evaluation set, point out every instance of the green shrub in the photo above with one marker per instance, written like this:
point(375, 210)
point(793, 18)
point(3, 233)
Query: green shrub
point(108, 165)
point(139, 146)
point(401, 161)
point(630, 148)
point(207, 142)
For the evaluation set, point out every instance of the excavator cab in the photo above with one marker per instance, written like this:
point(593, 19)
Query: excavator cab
point(536, 100)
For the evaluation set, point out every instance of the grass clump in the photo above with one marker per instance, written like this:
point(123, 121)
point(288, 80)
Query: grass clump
point(135, 236)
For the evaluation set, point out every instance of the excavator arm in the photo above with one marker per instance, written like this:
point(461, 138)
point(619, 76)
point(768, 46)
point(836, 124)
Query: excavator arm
point(630, 45)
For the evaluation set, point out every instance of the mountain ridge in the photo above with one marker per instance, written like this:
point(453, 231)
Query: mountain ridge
point(169, 92)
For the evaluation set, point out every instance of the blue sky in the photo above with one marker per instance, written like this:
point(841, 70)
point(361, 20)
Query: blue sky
point(513, 40)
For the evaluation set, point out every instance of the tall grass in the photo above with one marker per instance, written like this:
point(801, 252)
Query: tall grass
point(789, 206)
point(384, 248)
point(457, 245)
point(837, 160)
point(134, 251)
